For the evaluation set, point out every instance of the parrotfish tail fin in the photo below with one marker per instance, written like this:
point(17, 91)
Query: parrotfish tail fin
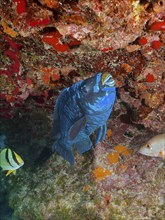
point(83, 145)
point(11, 171)
point(66, 153)
point(100, 133)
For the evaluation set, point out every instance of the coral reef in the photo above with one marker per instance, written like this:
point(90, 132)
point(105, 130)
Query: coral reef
point(97, 187)
point(46, 45)
point(64, 41)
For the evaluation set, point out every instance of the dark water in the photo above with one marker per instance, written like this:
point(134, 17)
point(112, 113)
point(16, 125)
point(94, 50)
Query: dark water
point(29, 136)
point(5, 211)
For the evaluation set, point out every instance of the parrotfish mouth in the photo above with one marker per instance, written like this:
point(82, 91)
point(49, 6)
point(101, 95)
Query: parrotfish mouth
point(107, 80)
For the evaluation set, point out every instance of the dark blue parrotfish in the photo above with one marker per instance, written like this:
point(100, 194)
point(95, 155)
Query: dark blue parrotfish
point(79, 111)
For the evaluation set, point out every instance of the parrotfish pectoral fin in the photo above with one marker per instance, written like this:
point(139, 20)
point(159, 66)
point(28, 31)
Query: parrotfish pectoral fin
point(83, 145)
point(10, 171)
point(64, 152)
point(77, 127)
point(100, 133)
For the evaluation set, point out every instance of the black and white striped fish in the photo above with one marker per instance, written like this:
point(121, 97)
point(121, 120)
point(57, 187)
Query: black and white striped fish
point(10, 161)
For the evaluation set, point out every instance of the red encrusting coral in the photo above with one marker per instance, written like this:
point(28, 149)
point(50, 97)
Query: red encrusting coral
point(13, 45)
point(107, 49)
point(150, 78)
point(13, 55)
point(21, 6)
point(13, 68)
point(158, 26)
point(156, 44)
point(142, 41)
point(17, 89)
point(44, 22)
point(55, 40)
point(73, 41)
point(48, 74)
point(29, 81)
